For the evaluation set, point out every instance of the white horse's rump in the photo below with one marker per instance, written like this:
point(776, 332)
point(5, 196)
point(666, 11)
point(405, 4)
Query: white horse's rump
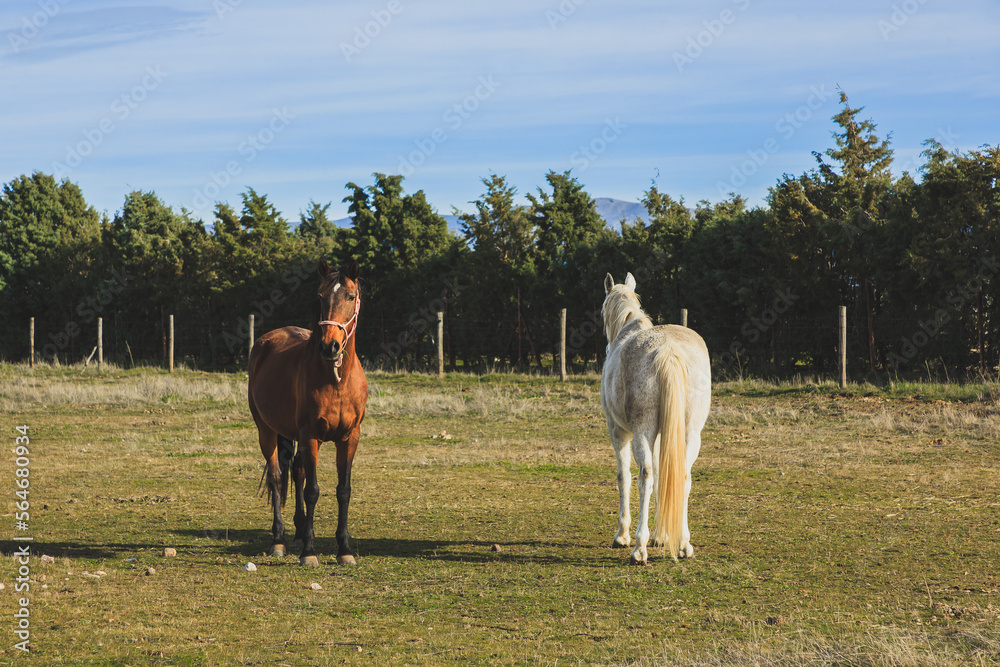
point(655, 389)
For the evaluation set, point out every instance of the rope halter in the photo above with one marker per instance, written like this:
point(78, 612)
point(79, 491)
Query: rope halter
point(347, 335)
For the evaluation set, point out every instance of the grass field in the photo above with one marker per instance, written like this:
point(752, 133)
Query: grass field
point(831, 527)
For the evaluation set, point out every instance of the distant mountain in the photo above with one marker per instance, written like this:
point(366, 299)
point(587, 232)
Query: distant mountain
point(615, 210)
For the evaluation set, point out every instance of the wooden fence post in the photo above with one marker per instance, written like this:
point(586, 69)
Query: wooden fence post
point(171, 349)
point(100, 343)
point(684, 317)
point(562, 345)
point(250, 346)
point(31, 344)
point(843, 347)
point(440, 343)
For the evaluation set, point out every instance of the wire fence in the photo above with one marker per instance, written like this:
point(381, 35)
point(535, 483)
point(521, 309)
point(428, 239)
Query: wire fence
point(782, 345)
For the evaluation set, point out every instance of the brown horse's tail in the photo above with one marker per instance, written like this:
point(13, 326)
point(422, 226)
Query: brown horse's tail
point(672, 374)
point(286, 452)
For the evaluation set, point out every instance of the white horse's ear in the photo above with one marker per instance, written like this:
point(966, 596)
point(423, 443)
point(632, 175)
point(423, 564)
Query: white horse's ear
point(609, 282)
point(630, 282)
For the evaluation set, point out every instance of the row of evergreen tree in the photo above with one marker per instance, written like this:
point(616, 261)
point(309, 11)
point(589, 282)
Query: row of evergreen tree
point(915, 262)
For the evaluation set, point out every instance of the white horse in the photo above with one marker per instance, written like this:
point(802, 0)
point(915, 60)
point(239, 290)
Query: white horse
point(655, 389)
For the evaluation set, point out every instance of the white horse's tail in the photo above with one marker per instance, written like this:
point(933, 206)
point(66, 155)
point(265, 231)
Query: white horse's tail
point(672, 374)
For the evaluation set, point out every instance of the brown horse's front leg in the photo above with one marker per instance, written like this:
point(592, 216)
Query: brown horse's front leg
point(345, 459)
point(306, 495)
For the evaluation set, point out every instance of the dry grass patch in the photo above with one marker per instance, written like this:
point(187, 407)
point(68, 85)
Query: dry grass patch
point(499, 396)
point(980, 420)
point(22, 388)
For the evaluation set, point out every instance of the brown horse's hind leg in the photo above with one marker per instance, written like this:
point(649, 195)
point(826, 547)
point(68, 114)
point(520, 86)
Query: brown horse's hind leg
point(277, 454)
point(286, 450)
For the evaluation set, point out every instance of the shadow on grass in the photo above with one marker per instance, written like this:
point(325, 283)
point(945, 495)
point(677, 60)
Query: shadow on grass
point(472, 551)
point(92, 551)
point(252, 543)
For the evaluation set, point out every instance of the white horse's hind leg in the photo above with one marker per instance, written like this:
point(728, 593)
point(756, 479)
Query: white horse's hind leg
point(620, 440)
point(686, 550)
point(657, 540)
point(693, 447)
point(643, 453)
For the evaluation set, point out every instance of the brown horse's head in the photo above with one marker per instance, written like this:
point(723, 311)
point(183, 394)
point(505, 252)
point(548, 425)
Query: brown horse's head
point(339, 302)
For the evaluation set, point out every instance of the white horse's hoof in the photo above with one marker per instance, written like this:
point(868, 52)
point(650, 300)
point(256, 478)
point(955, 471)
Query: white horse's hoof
point(640, 563)
point(278, 550)
point(686, 551)
point(619, 543)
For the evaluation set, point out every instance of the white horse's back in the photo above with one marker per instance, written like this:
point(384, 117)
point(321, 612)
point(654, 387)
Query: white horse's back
point(656, 393)
point(630, 368)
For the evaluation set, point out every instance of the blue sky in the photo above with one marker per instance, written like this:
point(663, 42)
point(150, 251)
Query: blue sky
point(198, 100)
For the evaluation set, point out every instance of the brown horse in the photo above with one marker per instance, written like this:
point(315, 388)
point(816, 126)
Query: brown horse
point(309, 386)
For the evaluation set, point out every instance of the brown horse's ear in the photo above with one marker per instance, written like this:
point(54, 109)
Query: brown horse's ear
point(323, 268)
point(352, 270)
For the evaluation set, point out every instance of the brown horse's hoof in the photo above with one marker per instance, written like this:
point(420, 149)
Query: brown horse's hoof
point(309, 561)
point(346, 560)
point(278, 550)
